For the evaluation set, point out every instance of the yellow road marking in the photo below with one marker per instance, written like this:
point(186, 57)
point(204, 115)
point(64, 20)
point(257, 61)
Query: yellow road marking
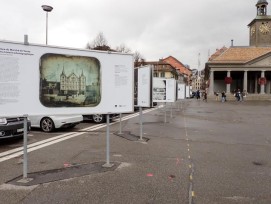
point(193, 193)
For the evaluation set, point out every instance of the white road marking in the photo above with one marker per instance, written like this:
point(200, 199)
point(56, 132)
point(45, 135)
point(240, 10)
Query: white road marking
point(44, 143)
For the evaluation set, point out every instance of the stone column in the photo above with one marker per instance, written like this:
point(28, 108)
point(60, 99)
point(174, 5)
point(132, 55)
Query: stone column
point(262, 85)
point(268, 86)
point(228, 86)
point(211, 84)
point(245, 81)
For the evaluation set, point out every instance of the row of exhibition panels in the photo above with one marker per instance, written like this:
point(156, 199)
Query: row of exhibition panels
point(149, 89)
point(39, 79)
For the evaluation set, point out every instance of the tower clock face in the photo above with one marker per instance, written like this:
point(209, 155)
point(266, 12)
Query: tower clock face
point(252, 30)
point(265, 28)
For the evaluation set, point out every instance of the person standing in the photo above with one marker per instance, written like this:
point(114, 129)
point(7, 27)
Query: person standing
point(198, 95)
point(223, 97)
point(205, 96)
point(235, 94)
point(217, 96)
point(239, 95)
point(244, 95)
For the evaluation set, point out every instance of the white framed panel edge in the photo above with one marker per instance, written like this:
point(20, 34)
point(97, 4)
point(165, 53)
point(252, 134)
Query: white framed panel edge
point(38, 80)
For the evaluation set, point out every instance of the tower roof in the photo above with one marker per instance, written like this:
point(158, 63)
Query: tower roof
point(262, 2)
point(262, 7)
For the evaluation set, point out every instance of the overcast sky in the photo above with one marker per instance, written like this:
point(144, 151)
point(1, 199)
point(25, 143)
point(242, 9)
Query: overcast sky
point(155, 28)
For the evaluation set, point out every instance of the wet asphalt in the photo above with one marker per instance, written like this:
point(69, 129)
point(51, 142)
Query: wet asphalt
point(204, 153)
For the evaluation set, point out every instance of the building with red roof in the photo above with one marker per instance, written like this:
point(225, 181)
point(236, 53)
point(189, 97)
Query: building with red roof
point(247, 68)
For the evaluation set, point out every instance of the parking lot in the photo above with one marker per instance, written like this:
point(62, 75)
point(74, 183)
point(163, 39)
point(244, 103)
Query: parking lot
point(205, 153)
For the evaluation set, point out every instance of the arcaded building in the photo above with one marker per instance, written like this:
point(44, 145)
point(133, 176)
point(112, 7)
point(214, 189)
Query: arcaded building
point(246, 68)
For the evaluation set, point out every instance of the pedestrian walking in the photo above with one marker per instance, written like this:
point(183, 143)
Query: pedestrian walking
point(198, 95)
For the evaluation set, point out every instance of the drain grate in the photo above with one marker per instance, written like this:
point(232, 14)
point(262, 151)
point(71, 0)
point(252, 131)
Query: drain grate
point(68, 172)
point(129, 136)
point(205, 112)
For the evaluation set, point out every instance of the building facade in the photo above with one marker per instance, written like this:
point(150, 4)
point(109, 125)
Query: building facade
point(183, 69)
point(72, 84)
point(198, 82)
point(245, 68)
point(165, 70)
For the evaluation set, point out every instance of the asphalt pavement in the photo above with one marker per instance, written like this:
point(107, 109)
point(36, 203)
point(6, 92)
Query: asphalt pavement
point(201, 153)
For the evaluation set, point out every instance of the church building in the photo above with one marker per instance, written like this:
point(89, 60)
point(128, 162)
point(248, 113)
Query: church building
point(246, 68)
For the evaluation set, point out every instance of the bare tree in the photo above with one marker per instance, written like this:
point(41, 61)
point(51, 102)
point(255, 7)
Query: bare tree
point(99, 43)
point(138, 59)
point(123, 48)
point(137, 56)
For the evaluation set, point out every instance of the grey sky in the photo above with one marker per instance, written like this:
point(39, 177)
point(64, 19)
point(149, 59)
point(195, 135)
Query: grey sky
point(155, 28)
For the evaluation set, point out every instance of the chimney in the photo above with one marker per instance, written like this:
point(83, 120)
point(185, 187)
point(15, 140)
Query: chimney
point(26, 40)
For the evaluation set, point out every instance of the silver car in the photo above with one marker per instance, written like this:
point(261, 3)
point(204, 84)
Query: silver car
point(48, 123)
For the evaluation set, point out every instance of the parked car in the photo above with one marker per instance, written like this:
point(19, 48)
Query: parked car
point(48, 123)
point(98, 118)
point(12, 127)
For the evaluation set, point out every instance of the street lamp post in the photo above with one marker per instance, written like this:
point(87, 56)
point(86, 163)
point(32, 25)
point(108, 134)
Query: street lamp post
point(47, 9)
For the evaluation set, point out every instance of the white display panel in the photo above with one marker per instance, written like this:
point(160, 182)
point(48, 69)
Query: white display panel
point(164, 90)
point(144, 86)
point(187, 91)
point(38, 79)
point(181, 91)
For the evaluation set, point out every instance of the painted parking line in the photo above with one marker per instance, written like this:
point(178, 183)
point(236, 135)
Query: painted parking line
point(44, 143)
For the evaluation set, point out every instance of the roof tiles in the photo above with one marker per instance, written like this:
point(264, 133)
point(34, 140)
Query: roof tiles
point(240, 54)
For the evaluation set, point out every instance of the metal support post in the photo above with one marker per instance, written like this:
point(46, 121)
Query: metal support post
point(141, 123)
point(107, 143)
point(120, 130)
point(171, 116)
point(165, 112)
point(25, 149)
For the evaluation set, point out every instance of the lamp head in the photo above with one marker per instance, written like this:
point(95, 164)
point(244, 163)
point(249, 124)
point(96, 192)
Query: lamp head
point(47, 8)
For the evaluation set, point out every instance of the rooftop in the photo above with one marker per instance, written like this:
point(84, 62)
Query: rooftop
point(241, 54)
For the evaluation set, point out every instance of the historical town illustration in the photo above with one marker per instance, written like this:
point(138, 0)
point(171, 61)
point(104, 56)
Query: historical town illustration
point(69, 81)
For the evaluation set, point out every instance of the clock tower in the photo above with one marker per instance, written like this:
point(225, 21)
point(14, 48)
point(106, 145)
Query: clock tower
point(260, 27)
